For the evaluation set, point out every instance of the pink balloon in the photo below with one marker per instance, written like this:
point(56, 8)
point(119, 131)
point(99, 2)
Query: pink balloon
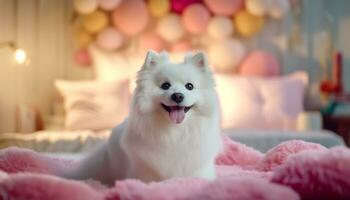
point(224, 7)
point(195, 18)
point(179, 5)
point(181, 46)
point(109, 39)
point(82, 57)
point(131, 17)
point(260, 63)
point(151, 41)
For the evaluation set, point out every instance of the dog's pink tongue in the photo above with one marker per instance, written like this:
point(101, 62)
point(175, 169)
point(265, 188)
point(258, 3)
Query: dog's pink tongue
point(177, 115)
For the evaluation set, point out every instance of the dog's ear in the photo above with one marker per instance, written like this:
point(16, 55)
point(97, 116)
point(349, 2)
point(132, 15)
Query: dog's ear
point(199, 59)
point(153, 58)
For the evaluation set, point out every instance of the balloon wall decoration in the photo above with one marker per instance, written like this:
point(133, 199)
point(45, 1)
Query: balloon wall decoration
point(222, 28)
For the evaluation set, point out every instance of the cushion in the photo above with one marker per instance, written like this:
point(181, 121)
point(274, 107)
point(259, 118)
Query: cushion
point(261, 102)
point(94, 105)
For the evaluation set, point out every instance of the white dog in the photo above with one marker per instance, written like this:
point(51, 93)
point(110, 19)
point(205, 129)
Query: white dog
point(173, 129)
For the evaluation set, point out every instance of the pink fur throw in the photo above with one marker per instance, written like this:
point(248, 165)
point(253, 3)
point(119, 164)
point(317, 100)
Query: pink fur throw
point(292, 170)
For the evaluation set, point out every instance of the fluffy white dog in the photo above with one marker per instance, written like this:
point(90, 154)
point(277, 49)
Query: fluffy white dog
point(173, 129)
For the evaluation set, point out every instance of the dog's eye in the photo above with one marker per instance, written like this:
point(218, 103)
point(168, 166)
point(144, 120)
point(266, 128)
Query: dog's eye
point(165, 85)
point(189, 86)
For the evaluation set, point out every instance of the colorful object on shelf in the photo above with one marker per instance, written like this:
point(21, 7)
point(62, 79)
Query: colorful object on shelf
point(260, 63)
point(224, 7)
point(335, 85)
point(159, 8)
point(226, 54)
point(195, 18)
point(247, 24)
point(85, 6)
point(109, 39)
point(257, 7)
point(151, 41)
point(178, 6)
point(220, 27)
point(82, 57)
point(83, 39)
point(95, 22)
point(131, 17)
point(278, 8)
point(109, 5)
point(170, 28)
point(181, 46)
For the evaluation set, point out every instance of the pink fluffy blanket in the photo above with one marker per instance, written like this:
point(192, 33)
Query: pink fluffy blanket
point(291, 170)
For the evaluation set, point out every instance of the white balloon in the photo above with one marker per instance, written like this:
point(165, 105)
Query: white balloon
point(170, 28)
point(220, 27)
point(257, 7)
point(85, 6)
point(278, 8)
point(226, 54)
point(109, 4)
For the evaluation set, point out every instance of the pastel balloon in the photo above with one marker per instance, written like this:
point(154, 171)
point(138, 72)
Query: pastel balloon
point(151, 41)
point(224, 7)
point(260, 63)
point(278, 8)
point(220, 27)
point(179, 6)
point(226, 54)
point(82, 57)
point(83, 38)
point(247, 24)
point(109, 5)
point(95, 22)
point(85, 6)
point(195, 18)
point(159, 8)
point(181, 46)
point(131, 17)
point(257, 7)
point(170, 28)
point(109, 39)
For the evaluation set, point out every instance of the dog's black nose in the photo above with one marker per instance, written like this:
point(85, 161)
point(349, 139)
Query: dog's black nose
point(177, 97)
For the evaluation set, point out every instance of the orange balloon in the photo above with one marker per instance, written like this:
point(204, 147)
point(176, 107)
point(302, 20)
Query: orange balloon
point(247, 24)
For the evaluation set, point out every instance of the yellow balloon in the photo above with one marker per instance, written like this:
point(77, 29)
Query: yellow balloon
point(159, 8)
point(95, 22)
point(247, 24)
point(83, 38)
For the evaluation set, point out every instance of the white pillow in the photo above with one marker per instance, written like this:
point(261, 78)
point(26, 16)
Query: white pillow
point(261, 102)
point(94, 105)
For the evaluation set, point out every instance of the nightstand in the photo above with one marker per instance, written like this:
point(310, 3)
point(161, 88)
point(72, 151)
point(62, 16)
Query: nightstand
point(338, 124)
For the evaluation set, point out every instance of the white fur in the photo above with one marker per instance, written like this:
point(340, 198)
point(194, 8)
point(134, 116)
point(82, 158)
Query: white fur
point(147, 145)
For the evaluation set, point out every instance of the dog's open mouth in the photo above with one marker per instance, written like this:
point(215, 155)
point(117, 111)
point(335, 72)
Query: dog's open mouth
point(177, 113)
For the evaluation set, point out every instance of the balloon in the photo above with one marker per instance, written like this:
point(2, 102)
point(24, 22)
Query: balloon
point(109, 5)
point(247, 24)
point(257, 7)
point(109, 39)
point(220, 27)
point(195, 18)
point(224, 7)
point(260, 63)
point(159, 8)
point(85, 6)
point(131, 17)
point(181, 46)
point(95, 22)
point(83, 38)
point(82, 57)
point(226, 54)
point(170, 28)
point(179, 6)
point(278, 8)
point(151, 41)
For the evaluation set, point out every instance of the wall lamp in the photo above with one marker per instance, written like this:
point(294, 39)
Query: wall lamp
point(19, 55)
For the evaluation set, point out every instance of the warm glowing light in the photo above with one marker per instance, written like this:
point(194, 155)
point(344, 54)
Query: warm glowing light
point(20, 56)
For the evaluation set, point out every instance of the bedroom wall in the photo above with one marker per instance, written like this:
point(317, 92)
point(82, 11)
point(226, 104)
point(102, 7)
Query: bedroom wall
point(43, 30)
